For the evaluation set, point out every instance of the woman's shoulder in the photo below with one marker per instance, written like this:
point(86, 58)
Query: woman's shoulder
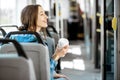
point(24, 37)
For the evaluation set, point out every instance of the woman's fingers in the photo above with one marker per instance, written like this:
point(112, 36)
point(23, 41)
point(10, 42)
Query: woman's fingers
point(60, 52)
point(61, 76)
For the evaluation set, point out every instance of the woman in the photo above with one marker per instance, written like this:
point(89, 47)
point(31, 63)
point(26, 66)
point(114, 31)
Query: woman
point(33, 18)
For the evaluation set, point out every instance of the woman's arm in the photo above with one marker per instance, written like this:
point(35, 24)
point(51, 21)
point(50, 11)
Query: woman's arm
point(60, 52)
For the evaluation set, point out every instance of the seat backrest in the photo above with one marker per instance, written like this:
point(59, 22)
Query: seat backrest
point(22, 34)
point(51, 45)
point(15, 66)
point(9, 28)
point(39, 55)
point(37, 52)
point(53, 33)
point(2, 33)
point(56, 37)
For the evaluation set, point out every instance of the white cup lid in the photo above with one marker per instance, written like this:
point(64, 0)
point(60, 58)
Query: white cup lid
point(63, 42)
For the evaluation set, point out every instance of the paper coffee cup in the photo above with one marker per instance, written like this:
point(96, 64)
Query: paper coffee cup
point(62, 42)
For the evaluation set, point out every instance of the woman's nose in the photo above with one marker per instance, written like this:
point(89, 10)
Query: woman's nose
point(46, 16)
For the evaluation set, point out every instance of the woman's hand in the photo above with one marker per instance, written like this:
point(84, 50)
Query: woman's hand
point(60, 76)
point(60, 52)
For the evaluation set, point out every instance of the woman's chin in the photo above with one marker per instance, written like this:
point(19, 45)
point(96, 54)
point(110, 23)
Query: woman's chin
point(63, 55)
point(45, 26)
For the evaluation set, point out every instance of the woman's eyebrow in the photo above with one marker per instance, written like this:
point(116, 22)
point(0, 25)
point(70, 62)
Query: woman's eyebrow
point(41, 12)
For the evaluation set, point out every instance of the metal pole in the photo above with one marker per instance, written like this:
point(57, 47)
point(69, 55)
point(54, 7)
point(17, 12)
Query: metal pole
point(94, 35)
point(117, 41)
point(57, 15)
point(103, 41)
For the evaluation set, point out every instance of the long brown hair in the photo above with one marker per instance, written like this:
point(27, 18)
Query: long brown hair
point(29, 16)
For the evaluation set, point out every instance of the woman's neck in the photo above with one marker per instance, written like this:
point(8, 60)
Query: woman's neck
point(38, 29)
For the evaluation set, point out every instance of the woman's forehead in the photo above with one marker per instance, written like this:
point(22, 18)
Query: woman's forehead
point(40, 9)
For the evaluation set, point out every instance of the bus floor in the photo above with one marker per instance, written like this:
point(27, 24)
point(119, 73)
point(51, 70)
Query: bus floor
point(76, 64)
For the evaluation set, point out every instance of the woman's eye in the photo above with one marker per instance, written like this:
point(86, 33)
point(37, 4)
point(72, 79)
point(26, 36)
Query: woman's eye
point(41, 14)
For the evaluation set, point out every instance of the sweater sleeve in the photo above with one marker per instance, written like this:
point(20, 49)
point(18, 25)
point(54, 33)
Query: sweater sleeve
point(53, 64)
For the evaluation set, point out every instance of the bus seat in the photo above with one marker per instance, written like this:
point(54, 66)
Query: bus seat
point(9, 28)
point(2, 33)
point(53, 33)
point(51, 45)
point(16, 66)
point(39, 55)
point(37, 52)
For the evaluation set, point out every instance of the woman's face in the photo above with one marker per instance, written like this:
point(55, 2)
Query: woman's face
point(42, 18)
